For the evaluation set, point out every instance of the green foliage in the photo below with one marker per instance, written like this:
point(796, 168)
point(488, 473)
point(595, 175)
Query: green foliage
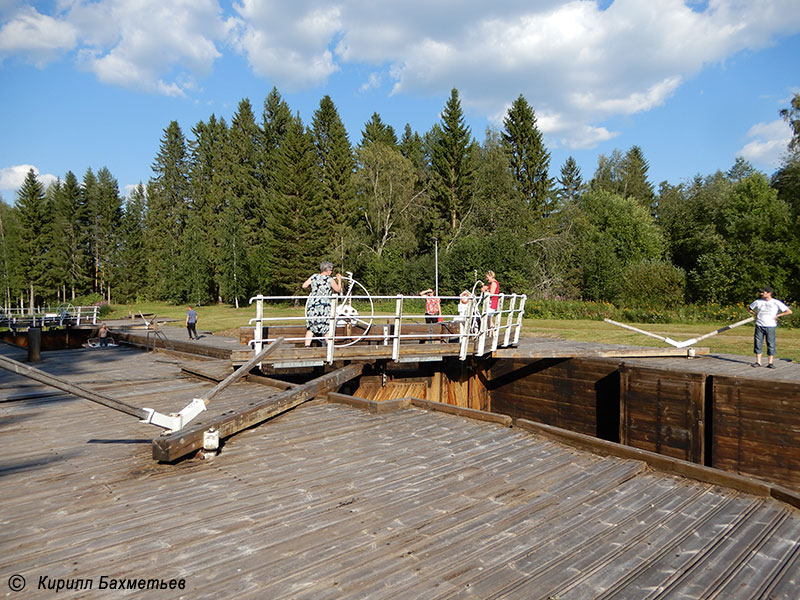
point(34, 239)
point(254, 207)
point(569, 183)
point(335, 165)
point(625, 176)
point(652, 283)
point(611, 232)
point(168, 195)
point(297, 234)
point(375, 130)
point(452, 170)
point(527, 156)
point(792, 116)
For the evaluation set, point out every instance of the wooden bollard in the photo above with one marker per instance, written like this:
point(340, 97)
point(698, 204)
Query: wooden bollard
point(34, 344)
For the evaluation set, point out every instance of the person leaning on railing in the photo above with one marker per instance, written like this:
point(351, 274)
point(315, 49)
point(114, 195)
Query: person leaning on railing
point(433, 306)
point(318, 305)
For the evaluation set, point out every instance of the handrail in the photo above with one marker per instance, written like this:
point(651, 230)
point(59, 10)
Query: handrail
point(48, 316)
point(475, 322)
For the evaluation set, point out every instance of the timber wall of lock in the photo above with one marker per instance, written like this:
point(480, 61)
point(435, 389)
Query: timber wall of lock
point(737, 424)
point(734, 423)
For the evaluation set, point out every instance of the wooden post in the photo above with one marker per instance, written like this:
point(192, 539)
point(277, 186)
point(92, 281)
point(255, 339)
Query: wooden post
point(34, 344)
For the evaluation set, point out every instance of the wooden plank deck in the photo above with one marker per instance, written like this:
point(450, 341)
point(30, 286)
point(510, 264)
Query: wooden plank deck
point(328, 501)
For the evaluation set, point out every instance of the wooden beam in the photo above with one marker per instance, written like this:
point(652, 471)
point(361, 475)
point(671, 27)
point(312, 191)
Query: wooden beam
point(276, 383)
point(243, 370)
point(76, 390)
point(178, 444)
point(470, 413)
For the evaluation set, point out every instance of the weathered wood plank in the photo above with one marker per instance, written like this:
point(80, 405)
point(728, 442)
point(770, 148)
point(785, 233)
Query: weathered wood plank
point(180, 443)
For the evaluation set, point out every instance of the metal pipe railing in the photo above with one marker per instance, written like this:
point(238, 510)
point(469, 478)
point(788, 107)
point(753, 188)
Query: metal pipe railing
point(475, 322)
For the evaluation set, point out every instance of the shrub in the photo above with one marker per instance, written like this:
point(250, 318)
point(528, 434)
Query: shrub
point(652, 284)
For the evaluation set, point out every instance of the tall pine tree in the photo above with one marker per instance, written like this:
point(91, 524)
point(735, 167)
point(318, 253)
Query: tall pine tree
point(527, 156)
point(167, 200)
point(298, 227)
point(335, 165)
point(452, 169)
point(33, 241)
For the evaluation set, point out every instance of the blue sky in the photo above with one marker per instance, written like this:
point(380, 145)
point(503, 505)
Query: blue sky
point(694, 83)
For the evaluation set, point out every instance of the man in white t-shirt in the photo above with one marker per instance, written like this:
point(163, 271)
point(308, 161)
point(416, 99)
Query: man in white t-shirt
point(767, 310)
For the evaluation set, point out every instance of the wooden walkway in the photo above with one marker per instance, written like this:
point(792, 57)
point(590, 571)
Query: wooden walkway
point(328, 501)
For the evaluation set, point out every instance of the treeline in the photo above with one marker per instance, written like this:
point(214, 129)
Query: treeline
point(252, 206)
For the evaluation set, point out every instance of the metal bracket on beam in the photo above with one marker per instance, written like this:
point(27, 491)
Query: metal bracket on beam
point(175, 421)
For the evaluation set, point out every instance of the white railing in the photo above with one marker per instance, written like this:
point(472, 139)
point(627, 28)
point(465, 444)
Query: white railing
point(64, 314)
point(473, 322)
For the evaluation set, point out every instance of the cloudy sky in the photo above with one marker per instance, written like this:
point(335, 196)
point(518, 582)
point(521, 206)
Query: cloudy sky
point(87, 84)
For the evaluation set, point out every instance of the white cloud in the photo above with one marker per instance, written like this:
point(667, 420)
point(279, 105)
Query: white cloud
point(289, 42)
point(12, 178)
point(36, 37)
point(149, 45)
point(574, 62)
point(373, 82)
point(769, 144)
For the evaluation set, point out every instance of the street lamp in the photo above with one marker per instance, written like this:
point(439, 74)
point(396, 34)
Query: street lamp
point(436, 264)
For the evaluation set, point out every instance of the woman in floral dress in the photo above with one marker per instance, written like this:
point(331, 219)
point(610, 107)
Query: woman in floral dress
point(318, 305)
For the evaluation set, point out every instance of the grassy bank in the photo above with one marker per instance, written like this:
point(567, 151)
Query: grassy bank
point(223, 319)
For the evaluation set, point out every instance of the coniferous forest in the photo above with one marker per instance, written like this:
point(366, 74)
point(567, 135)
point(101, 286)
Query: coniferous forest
point(251, 205)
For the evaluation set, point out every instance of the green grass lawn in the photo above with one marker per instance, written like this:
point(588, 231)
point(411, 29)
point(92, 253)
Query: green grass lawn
point(224, 319)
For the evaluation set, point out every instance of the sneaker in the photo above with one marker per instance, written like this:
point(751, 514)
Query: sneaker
point(770, 366)
point(756, 365)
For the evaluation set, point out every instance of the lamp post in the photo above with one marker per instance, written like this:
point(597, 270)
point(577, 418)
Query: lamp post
point(436, 264)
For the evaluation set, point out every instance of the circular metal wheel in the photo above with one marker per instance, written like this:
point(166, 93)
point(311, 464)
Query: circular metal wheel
point(348, 315)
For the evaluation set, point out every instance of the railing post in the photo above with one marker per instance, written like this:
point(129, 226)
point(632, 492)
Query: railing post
point(464, 329)
point(497, 320)
point(398, 317)
point(484, 326)
point(332, 332)
point(510, 320)
point(519, 319)
point(258, 330)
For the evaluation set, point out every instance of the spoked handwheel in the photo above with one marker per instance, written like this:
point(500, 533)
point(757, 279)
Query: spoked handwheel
point(350, 317)
point(357, 323)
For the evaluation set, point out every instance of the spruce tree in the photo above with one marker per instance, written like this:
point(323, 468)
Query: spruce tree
point(209, 175)
point(69, 229)
point(33, 241)
point(106, 217)
point(298, 234)
point(132, 267)
point(335, 165)
point(527, 156)
point(276, 119)
point(569, 183)
point(167, 200)
point(195, 275)
point(9, 252)
point(634, 177)
point(375, 130)
point(452, 169)
point(245, 188)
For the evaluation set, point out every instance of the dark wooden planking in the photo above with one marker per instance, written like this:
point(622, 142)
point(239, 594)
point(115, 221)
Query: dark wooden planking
point(756, 428)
